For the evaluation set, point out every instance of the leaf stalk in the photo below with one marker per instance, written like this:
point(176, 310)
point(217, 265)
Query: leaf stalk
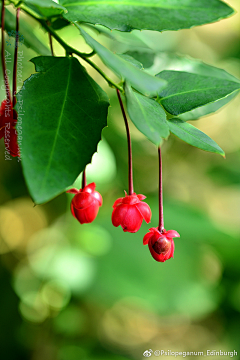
point(5, 76)
point(71, 50)
point(160, 193)
point(130, 171)
point(15, 62)
point(84, 179)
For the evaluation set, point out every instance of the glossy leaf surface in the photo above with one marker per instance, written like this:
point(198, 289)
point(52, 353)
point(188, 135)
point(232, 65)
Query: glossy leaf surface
point(156, 15)
point(140, 80)
point(64, 114)
point(191, 135)
point(187, 91)
point(147, 115)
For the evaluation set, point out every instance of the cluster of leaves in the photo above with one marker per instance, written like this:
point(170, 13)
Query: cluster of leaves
point(69, 109)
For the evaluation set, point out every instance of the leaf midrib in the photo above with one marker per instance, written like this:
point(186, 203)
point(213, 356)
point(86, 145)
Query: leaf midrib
point(143, 112)
point(57, 132)
point(132, 3)
point(195, 90)
point(196, 137)
point(152, 129)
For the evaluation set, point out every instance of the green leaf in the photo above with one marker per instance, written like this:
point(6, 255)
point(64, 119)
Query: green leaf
point(59, 23)
point(193, 136)
point(157, 15)
point(207, 109)
point(126, 40)
point(63, 114)
point(147, 115)
point(169, 61)
point(43, 8)
point(145, 58)
point(140, 80)
point(186, 91)
point(131, 60)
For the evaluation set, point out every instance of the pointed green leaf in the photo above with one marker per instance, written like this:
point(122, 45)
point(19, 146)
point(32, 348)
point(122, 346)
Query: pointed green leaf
point(44, 4)
point(59, 23)
point(193, 136)
point(62, 112)
point(131, 60)
point(128, 40)
point(169, 61)
point(144, 57)
point(43, 8)
point(139, 79)
point(207, 109)
point(186, 91)
point(157, 15)
point(147, 115)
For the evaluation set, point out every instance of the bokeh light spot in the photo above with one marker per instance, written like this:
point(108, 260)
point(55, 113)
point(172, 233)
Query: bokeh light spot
point(71, 321)
point(32, 308)
point(12, 228)
point(103, 167)
point(95, 240)
point(56, 294)
point(72, 352)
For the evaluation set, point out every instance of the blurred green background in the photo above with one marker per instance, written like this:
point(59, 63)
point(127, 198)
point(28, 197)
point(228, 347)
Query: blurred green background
point(92, 292)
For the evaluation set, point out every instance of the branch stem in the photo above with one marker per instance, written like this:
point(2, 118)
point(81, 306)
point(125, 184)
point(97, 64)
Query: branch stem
point(71, 50)
point(5, 76)
point(84, 179)
point(15, 62)
point(109, 81)
point(130, 172)
point(161, 223)
point(51, 43)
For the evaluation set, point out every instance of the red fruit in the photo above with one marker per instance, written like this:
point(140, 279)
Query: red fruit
point(161, 245)
point(130, 211)
point(85, 204)
point(7, 128)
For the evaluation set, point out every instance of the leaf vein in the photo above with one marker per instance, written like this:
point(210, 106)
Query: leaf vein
point(57, 132)
point(193, 91)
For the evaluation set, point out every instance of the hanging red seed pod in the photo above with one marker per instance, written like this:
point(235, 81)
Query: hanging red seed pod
point(129, 212)
point(161, 244)
point(86, 203)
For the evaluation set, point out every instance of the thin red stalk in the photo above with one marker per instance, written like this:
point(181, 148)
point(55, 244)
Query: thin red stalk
point(15, 62)
point(130, 172)
point(51, 43)
point(5, 77)
point(161, 224)
point(84, 179)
